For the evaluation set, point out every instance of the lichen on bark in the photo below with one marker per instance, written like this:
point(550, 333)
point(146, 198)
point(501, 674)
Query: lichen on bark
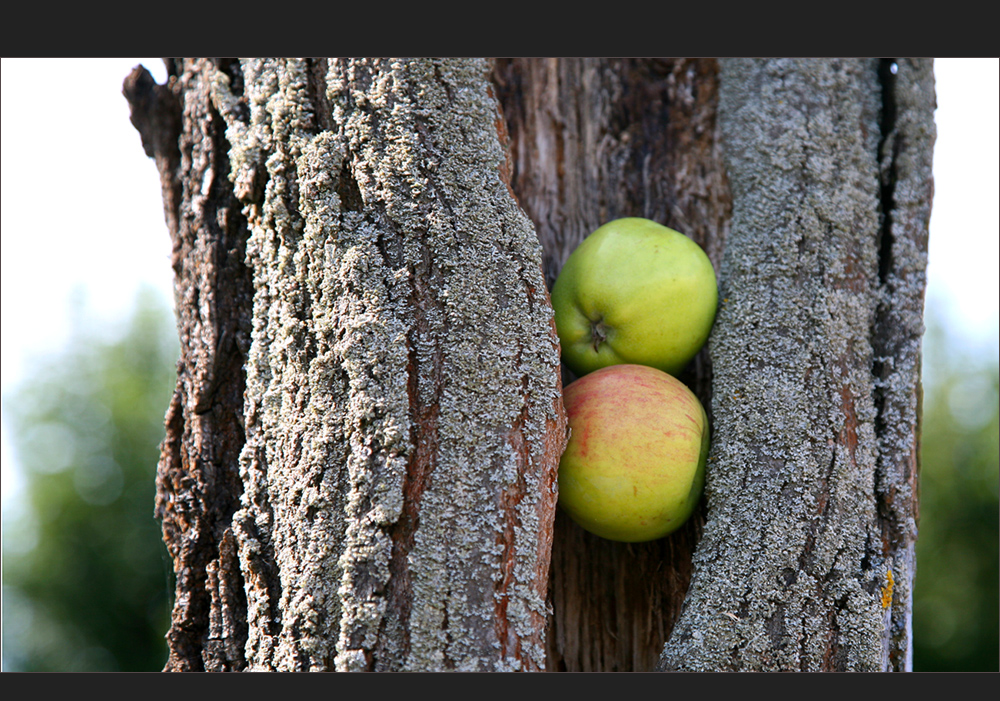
point(403, 412)
point(793, 570)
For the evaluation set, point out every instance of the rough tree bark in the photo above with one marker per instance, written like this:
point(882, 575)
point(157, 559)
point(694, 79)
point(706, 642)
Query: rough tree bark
point(807, 559)
point(198, 480)
point(402, 411)
point(360, 456)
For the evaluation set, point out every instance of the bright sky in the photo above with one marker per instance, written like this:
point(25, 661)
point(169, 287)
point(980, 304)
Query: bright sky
point(82, 219)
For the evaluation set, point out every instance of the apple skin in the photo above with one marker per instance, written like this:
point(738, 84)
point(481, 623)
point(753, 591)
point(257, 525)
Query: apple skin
point(634, 467)
point(636, 292)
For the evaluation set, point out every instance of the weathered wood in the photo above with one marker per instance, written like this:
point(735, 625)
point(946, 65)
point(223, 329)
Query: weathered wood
point(594, 140)
point(198, 484)
point(806, 560)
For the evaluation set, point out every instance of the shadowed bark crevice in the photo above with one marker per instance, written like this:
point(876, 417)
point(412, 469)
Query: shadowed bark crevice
point(594, 140)
point(905, 152)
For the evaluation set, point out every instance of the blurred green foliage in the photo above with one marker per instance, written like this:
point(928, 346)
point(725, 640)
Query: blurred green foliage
point(85, 572)
point(955, 613)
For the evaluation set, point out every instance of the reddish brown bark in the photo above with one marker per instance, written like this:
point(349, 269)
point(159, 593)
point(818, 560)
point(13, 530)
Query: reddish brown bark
point(198, 485)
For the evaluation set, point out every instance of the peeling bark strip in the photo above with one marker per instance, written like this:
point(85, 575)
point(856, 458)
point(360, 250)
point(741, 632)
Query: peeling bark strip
point(198, 483)
point(594, 140)
point(811, 477)
point(404, 417)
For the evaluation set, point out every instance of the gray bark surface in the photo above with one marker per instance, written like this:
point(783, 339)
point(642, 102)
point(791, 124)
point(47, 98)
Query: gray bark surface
point(403, 406)
point(806, 562)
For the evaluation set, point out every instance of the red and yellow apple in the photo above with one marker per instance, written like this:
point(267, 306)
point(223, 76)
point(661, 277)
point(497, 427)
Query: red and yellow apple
point(635, 463)
point(637, 292)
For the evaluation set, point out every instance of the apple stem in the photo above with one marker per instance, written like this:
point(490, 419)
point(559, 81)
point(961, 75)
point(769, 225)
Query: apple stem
point(598, 333)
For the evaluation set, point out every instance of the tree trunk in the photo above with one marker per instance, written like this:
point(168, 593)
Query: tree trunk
point(359, 469)
point(403, 410)
point(807, 558)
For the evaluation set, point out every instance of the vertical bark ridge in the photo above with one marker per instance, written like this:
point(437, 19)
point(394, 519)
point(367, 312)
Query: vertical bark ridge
point(198, 486)
point(793, 571)
point(404, 419)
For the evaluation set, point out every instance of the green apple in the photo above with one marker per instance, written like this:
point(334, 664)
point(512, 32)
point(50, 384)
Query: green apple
point(635, 463)
point(634, 292)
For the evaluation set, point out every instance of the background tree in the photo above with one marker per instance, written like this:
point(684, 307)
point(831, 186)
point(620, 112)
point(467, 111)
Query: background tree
point(380, 481)
point(86, 574)
point(955, 610)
